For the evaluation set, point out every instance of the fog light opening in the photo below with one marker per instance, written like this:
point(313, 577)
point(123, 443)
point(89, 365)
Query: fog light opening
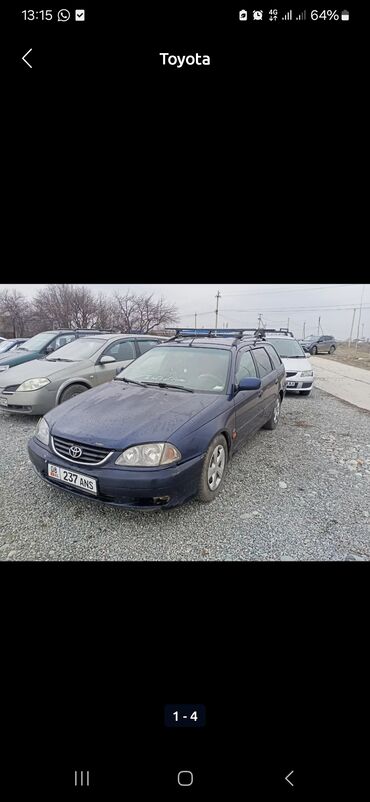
point(160, 500)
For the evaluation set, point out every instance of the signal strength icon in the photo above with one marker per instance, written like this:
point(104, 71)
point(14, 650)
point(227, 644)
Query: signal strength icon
point(288, 15)
point(301, 16)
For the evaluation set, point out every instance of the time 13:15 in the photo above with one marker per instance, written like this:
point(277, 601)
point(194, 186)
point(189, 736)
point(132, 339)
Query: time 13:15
point(30, 14)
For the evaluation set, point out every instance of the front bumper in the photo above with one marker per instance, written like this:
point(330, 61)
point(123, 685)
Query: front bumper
point(305, 384)
point(36, 402)
point(139, 488)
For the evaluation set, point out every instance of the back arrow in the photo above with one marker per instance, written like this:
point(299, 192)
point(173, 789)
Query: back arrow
point(287, 778)
point(25, 60)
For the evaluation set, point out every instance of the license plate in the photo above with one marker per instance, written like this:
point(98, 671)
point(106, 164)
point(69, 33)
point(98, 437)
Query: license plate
point(3, 402)
point(291, 384)
point(84, 483)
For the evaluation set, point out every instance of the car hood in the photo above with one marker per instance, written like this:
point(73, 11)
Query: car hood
point(117, 415)
point(296, 364)
point(37, 368)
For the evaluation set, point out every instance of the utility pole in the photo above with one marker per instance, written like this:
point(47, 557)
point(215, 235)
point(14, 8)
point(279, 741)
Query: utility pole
point(260, 321)
point(195, 320)
point(288, 323)
point(353, 320)
point(359, 316)
point(362, 336)
point(318, 327)
point(304, 331)
point(218, 296)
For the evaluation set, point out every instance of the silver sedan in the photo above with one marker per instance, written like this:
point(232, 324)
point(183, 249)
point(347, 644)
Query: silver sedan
point(37, 386)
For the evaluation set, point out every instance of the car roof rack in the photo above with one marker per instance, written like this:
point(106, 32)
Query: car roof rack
point(263, 332)
point(184, 333)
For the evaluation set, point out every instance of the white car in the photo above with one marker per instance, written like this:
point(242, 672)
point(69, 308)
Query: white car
point(299, 372)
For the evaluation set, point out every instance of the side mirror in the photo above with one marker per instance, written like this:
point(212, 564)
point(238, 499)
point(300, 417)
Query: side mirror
point(50, 349)
point(249, 384)
point(107, 360)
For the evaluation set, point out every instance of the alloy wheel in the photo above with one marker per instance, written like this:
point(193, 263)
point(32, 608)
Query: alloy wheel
point(216, 467)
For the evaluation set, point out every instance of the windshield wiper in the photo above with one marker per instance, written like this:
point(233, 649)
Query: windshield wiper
point(172, 386)
point(22, 349)
point(129, 381)
point(60, 360)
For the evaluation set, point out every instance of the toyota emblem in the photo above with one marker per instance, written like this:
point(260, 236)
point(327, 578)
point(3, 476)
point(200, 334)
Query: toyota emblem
point(75, 452)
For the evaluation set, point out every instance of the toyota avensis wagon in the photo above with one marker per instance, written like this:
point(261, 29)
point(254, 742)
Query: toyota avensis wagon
point(165, 428)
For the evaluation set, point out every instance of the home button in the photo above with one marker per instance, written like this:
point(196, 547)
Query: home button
point(185, 778)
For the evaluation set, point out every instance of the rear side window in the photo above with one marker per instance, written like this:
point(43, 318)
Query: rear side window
point(146, 345)
point(263, 361)
point(275, 359)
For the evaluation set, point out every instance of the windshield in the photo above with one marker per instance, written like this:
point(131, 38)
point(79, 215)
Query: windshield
point(199, 369)
point(287, 347)
point(78, 350)
point(310, 337)
point(38, 342)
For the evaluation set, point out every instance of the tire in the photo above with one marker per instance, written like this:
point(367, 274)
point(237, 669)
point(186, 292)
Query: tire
point(274, 420)
point(205, 492)
point(71, 391)
point(332, 349)
point(314, 351)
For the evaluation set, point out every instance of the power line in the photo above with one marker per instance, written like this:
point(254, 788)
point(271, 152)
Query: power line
point(294, 308)
point(289, 289)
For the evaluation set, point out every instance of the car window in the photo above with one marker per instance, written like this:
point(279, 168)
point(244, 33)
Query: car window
point(245, 367)
point(77, 350)
point(286, 347)
point(275, 359)
point(121, 350)
point(263, 361)
point(63, 339)
point(146, 345)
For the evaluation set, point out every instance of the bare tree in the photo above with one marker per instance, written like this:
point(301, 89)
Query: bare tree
point(142, 312)
point(66, 306)
point(14, 310)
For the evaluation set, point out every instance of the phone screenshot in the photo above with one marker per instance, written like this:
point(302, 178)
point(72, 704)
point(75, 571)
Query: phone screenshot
point(184, 404)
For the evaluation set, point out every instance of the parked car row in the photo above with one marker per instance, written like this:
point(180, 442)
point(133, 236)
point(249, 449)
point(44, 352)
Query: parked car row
point(138, 422)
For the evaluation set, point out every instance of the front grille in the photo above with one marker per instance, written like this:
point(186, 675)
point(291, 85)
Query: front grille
point(91, 455)
point(11, 389)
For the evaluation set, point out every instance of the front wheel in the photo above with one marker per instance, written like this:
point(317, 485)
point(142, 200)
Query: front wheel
point(314, 351)
point(213, 470)
point(71, 391)
point(274, 420)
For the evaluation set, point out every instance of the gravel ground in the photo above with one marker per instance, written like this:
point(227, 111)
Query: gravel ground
point(301, 492)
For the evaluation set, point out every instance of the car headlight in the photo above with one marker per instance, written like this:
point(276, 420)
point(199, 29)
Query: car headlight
point(306, 372)
point(33, 384)
point(43, 431)
point(4, 367)
point(149, 455)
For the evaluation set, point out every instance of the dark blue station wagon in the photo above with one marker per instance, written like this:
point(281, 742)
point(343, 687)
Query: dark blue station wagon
point(166, 427)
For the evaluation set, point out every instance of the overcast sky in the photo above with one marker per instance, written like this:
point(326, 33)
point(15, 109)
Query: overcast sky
point(241, 304)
